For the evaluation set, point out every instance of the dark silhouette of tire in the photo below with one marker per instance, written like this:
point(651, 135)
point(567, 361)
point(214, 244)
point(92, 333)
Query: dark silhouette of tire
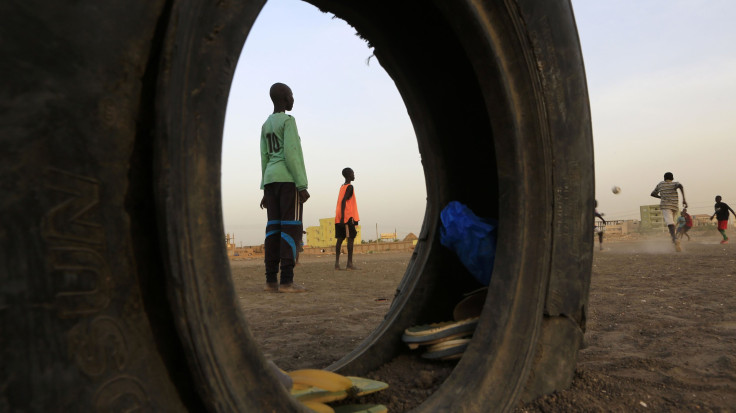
point(116, 291)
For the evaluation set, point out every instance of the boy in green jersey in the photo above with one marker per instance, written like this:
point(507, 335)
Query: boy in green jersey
point(284, 184)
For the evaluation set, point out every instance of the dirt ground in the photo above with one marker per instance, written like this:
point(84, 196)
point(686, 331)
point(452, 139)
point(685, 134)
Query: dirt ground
point(661, 328)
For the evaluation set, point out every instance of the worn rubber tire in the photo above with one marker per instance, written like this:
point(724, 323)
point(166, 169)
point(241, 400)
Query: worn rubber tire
point(117, 290)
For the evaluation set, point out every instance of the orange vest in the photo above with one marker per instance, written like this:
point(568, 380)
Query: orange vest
point(351, 207)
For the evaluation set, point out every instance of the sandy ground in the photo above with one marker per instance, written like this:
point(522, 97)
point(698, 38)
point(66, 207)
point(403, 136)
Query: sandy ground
point(661, 329)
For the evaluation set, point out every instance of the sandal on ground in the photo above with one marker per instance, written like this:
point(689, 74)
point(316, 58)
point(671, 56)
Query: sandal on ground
point(348, 408)
point(437, 332)
point(447, 350)
point(360, 386)
point(361, 408)
point(470, 306)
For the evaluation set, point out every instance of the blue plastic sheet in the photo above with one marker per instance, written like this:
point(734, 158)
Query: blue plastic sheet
point(473, 239)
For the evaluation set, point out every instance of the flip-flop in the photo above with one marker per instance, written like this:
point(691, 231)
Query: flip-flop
point(463, 334)
point(361, 408)
point(360, 387)
point(319, 407)
point(437, 331)
point(324, 379)
point(447, 350)
point(348, 408)
point(470, 306)
point(363, 386)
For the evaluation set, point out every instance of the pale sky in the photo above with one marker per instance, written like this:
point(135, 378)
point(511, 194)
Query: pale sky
point(662, 86)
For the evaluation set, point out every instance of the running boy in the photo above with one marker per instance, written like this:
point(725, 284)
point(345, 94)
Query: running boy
point(666, 191)
point(284, 184)
point(722, 209)
point(346, 218)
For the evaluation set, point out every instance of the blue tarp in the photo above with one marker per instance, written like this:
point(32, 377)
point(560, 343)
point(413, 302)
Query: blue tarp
point(472, 238)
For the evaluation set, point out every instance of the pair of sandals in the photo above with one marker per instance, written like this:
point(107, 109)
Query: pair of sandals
point(448, 340)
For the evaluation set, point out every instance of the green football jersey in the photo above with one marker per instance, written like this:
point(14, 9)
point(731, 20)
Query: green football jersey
point(281, 152)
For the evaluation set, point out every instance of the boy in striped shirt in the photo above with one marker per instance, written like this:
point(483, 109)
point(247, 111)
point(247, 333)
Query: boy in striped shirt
point(666, 191)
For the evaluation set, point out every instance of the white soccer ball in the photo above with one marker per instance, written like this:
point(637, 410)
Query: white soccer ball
point(616, 189)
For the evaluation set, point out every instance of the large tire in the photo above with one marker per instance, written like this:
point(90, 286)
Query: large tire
point(117, 290)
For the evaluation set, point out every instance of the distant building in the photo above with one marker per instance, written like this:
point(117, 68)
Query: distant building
point(230, 243)
point(411, 237)
point(324, 235)
point(651, 217)
point(703, 220)
point(621, 227)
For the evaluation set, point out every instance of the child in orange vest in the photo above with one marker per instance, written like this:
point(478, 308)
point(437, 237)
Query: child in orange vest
point(346, 218)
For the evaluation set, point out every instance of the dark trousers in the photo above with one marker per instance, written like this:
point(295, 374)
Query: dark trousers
point(283, 230)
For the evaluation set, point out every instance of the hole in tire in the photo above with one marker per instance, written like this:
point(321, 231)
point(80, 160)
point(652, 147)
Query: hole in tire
point(373, 136)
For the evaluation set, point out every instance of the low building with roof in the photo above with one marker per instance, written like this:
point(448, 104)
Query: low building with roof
point(324, 235)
